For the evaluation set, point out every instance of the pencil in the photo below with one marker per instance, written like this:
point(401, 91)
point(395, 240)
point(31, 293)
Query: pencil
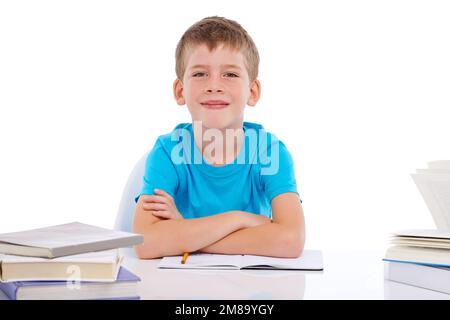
point(185, 256)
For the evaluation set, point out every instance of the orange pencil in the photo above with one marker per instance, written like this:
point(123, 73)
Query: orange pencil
point(185, 256)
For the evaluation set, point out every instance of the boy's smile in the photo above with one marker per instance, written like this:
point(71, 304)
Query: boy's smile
point(216, 87)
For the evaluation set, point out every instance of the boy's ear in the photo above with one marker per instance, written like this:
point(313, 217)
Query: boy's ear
point(178, 92)
point(255, 93)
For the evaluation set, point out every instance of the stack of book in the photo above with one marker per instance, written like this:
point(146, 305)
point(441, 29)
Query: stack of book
point(69, 261)
point(422, 257)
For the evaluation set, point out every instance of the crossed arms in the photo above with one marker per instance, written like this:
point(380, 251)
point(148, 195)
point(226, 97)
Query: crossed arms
point(166, 233)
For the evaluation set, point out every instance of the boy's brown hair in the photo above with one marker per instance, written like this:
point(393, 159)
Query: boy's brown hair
point(213, 31)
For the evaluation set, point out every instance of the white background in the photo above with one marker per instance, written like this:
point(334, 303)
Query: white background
point(357, 90)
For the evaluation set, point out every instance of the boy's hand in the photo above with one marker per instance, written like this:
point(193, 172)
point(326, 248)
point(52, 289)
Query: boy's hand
point(161, 205)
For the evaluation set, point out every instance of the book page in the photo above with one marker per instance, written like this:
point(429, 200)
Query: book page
point(441, 190)
point(439, 164)
point(434, 171)
point(423, 244)
point(435, 190)
point(423, 233)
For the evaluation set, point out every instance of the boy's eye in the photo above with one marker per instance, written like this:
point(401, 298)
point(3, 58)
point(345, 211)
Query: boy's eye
point(231, 75)
point(198, 74)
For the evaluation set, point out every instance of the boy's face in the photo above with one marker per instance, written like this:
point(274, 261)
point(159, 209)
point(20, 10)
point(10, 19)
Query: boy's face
point(216, 87)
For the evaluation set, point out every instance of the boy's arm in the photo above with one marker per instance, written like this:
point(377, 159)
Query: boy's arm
point(165, 237)
point(284, 237)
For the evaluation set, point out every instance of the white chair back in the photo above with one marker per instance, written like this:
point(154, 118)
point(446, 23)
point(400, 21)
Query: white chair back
point(124, 219)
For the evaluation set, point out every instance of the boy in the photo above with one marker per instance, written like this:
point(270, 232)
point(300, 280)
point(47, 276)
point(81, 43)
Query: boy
point(211, 186)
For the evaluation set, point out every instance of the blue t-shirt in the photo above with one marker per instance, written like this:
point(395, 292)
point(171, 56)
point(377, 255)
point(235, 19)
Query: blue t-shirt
point(262, 170)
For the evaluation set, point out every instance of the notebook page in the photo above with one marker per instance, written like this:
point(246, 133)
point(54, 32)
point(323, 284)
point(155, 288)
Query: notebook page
point(309, 260)
point(202, 261)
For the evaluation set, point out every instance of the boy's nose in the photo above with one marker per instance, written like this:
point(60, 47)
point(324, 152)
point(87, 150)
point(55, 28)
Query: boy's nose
point(214, 86)
point(211, 90)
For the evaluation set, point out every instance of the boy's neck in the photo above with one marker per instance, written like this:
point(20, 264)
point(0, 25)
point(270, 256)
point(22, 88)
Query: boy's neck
point(218, 146)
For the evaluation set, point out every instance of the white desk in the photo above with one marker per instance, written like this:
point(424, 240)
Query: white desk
point(347, 275)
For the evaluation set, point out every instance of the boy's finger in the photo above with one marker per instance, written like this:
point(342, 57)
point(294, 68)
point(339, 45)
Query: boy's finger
point(160, 214)
point(155, 206)
point(162, 192)
point(154, 198)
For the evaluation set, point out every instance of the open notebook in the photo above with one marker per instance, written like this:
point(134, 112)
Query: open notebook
point(310, 260)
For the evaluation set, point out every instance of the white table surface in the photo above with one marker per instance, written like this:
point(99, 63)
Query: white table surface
point(347, 275)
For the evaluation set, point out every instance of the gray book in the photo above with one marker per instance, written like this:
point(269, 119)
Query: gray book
point(66, 239)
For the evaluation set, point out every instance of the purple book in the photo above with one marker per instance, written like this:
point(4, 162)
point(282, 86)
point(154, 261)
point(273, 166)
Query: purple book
point(125, 287)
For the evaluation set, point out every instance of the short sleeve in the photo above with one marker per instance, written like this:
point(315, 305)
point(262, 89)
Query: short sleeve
point(159, 173)
point(277, 171)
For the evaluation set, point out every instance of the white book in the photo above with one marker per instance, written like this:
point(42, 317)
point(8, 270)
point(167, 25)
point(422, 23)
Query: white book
point(66, 239)
point(310, 260)
point(429, 256)
point(428, 277)
point(93, 266)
